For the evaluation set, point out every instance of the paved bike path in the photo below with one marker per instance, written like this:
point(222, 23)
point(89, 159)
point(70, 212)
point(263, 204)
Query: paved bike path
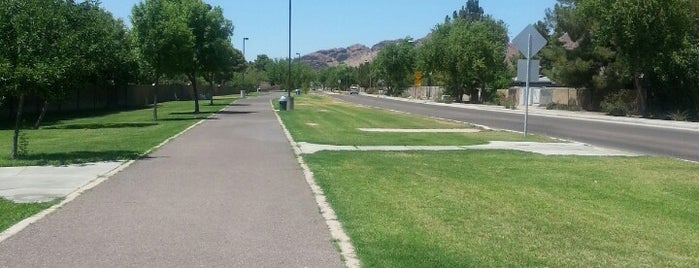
point(228, 193)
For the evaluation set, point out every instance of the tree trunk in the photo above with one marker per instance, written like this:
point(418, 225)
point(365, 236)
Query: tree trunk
point(41, 115)
point(211, 89)
point(193, 79)
point(155, 101)
point(18, 120)
point(642, 98)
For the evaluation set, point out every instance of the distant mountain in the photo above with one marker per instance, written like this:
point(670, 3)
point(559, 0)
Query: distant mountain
point(353, 55)
point(357, 54)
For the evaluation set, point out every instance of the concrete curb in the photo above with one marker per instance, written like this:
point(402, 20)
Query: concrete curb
point(338, 234)
point(18, 227)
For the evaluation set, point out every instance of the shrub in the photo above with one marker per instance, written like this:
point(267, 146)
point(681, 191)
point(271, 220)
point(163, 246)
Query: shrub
point(447, 99)
point(505, 101)
point(616, 104)
point(564, 107)
point(679, 115)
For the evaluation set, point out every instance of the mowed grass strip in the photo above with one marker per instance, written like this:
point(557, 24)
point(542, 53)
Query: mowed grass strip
point(495, 208)
point(11, 213)
point(503, 208)
point(324, 120)
point(72, 138)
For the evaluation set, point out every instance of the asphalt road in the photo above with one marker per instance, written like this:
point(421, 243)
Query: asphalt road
point(633, 137)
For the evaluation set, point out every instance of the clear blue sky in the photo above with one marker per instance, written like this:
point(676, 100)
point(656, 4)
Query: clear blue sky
point(324, 24)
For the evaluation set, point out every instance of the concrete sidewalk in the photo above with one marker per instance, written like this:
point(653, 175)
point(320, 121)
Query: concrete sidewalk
point(228, 193)
point(46, 183)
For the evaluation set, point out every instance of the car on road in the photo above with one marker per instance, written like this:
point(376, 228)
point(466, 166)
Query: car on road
point(354, 90)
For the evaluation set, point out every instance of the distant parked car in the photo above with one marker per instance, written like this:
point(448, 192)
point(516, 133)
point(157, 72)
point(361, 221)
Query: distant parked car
point(354, 90)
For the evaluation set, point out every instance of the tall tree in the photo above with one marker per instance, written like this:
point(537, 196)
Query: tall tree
point(471, 11)
point(209, 27)
point(395, 64)
point(642, 32)
point(571, 57)
point(468, 55)
point(222, 61)
point(97, 49)
point(163, 39)
point(33, 48)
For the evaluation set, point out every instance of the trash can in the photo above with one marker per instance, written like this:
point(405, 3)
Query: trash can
point(282, 103)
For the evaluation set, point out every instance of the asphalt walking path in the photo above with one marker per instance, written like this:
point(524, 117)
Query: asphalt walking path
point(227, 193)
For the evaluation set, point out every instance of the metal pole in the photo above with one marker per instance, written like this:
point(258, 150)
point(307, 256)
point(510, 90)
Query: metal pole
point(526, 92)
point(242, 88)
point(288, 76)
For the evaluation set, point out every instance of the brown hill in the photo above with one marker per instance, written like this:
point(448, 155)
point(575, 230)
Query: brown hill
point(353, 55)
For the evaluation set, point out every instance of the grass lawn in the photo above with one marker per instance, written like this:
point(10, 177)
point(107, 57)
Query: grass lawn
point(324, 120)
point(495, 208)
point(11, 213)
point(502, 208)
point(104, 135)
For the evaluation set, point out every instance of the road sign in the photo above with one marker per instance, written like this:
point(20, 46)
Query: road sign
point(529, 42)
point(418, 79)
point(533, 70)
point(522, 41)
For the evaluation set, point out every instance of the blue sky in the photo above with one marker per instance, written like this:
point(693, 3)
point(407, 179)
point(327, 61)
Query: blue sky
point(324, 24)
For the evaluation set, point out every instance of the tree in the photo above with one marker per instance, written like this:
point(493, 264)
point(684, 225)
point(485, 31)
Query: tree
point(468, 55)
point(261, 62)
point(222, 62)
point(394, 64)
point(209, 28)
point(471, 11)
point(643, 33)
point(571, 58)
point(163, 39)
point(34, 38)
point(97, 49)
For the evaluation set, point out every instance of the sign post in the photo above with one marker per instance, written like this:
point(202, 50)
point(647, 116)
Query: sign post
point(529, 42)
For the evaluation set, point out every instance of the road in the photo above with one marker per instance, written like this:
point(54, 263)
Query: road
point(634, 137)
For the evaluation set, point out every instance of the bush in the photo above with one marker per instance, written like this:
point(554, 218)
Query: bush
point(564, 107)
point(505, 101)
point(447, 99)
point(615, 104)
point(679, 115)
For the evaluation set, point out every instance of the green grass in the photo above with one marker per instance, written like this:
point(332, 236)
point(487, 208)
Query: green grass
point(495, 208)
point(324, 120)
point(104, 135)
point(11, 213)
point(502, 208)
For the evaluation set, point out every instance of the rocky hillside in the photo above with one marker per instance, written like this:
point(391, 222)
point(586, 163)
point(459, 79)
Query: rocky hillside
point(353, 55)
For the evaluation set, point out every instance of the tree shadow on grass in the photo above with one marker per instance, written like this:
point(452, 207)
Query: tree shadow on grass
point(235, 112)
point(80, 157)
point(187, 119)
point(102, 125)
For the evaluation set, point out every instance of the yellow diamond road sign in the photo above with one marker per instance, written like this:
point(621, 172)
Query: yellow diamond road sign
point(418, 79)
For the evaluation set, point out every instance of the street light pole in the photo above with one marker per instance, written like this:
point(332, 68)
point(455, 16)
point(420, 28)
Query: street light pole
point(290, 101)
point(242, 89)
point(369, 70)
